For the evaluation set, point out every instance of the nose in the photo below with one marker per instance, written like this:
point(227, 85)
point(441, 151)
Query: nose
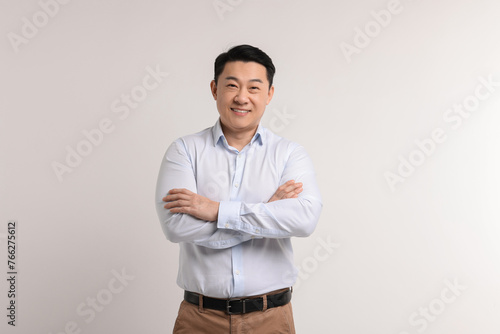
point(241, 97)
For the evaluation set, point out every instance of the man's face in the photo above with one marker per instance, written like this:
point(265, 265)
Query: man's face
point(242, 94)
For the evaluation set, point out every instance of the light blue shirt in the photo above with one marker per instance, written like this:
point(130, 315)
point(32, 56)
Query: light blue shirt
point(247, 251)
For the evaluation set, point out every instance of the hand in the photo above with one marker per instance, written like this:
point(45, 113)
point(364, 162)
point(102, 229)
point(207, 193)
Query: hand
point(289, 189)
point(185, 201)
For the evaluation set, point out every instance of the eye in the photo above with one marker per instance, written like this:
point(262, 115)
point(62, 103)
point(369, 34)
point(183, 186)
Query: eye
point(254, 88)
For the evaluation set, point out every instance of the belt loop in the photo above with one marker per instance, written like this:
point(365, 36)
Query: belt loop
point(200, 303)
point(264, 303)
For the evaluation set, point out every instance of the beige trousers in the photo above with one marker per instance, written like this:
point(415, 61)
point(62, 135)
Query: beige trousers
point(193, 319)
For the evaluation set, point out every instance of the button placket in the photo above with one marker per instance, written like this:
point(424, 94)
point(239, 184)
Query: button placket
point(238, 173)
point(236, 254)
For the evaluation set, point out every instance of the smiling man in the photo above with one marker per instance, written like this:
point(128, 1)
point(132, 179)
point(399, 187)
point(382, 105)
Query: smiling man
point(232, 196)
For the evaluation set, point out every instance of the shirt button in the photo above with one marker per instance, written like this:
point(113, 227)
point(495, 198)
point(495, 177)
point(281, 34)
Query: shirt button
point(257, 230)
point(237, 272)
point(227, 225)
point(236, 185)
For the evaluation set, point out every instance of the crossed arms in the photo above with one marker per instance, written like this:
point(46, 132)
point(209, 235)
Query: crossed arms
point(186, 216)
point(185, 201)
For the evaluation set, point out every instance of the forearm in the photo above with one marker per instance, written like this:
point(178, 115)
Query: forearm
point(181, 227)
point(294, 217)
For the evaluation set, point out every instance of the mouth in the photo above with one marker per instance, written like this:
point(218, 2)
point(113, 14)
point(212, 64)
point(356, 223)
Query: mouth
point(240, 111)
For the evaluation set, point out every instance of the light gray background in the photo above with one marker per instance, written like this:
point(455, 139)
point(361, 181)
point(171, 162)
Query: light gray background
point(395, 249)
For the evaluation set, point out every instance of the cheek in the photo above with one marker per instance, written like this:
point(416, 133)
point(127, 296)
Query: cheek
point(223, 100)
point(227, 98)
point(261, 102)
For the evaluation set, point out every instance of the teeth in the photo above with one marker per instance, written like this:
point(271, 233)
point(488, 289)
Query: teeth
point(241, 111)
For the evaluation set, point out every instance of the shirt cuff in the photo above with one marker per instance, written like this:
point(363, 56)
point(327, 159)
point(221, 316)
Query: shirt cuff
point(229, 215)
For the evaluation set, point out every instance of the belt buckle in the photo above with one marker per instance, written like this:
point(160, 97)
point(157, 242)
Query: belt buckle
point(228, 306)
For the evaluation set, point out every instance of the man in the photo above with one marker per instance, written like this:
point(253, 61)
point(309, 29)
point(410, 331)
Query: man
point(232, 196)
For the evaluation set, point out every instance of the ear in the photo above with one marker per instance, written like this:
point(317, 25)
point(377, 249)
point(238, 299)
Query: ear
point(213, 88)
point(270, 95)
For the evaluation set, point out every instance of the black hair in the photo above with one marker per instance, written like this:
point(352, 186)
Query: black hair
point(245, 53)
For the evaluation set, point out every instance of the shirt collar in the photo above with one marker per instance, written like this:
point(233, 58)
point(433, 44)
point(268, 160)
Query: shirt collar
point(218, 135)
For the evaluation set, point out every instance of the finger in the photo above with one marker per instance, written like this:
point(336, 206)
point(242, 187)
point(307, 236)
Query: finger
point(177, 204)
point(179, 191)
point(171, 205)
point(293, 187)
point(180, 210)
point(285, 185)
point(284, 190)
point(292, 195)
point(176, 196)
point(170, 198)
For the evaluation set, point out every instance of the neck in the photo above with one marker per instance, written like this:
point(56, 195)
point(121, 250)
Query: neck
point(239, 139)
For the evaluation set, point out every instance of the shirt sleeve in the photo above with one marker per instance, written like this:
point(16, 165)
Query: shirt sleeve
point(176, 171)
point(294, 217)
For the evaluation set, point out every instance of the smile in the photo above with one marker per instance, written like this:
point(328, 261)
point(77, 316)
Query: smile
point(240, 111)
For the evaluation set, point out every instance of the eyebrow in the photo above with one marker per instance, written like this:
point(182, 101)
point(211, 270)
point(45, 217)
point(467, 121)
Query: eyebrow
point(251, 80)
